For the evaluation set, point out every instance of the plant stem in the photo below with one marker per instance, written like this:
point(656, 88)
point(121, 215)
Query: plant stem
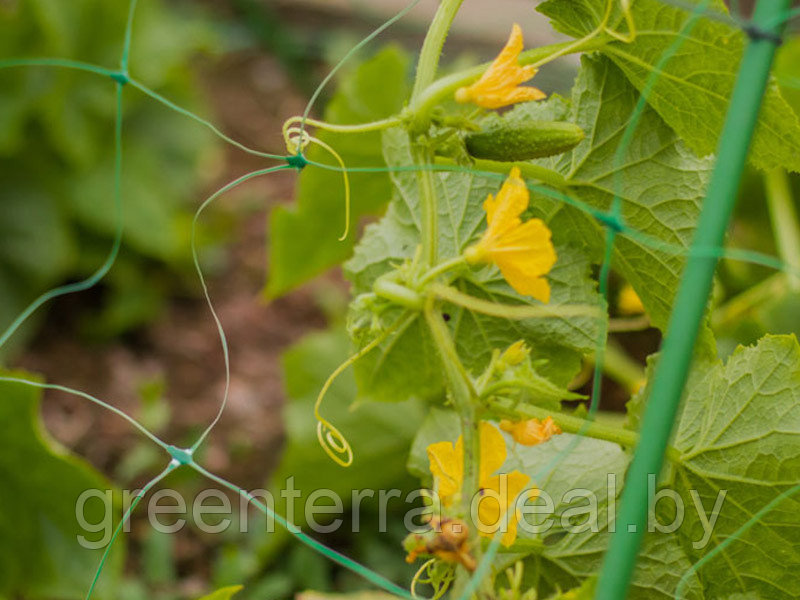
point(441, 268)
point(511, 311)
point(397, 293)
point(528, 170)
point(461, 391)
point(349, 128)
point(784, 222)
point(738, 306)
point(433, 44)
point(626, 324)
point(572, 424)
point(426, 73)
point(622, 368)
point(430, 209)
point(460, 388)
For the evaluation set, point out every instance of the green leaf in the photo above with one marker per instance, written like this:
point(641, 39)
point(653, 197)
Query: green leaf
point(693, 89)
point(660, 182)
point(382, 374)
point(40, 555)
point(740, 433)
point(304, 240)
point(704, 358)
point(225, 593)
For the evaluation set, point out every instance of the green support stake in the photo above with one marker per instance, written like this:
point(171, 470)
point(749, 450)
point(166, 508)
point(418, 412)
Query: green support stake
point(690, 303)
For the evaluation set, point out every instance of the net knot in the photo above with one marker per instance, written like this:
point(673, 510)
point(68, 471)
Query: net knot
point(298, 161)
point(757, 34)
point(121, 77)
point(180, 455)
point(613, 221)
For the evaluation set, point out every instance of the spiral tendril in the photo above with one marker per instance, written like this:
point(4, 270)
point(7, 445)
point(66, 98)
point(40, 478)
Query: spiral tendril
point(330, 438)
point(297, 140)
point(334, 443)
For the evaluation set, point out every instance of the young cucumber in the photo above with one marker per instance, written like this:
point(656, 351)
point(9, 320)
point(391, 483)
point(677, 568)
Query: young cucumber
point(532, 139)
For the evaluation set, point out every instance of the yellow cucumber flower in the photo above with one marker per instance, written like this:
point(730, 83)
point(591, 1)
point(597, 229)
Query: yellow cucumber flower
point(447, 466)
point(531, 431)
point(500, 84)
point(628, 301)
point(523, 251)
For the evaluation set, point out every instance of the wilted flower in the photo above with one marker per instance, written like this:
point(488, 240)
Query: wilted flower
point(531, 431)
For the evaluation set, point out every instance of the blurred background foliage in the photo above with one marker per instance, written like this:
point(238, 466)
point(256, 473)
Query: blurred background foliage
point(57, 225)
point(57, 209)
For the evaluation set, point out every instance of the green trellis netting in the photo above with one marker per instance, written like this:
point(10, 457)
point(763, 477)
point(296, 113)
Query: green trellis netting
point(764, 32)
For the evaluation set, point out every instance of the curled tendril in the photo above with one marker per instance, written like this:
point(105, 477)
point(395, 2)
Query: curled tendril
point(437, 574)
point(330, 438)
point(333, 442)
point(297, 139)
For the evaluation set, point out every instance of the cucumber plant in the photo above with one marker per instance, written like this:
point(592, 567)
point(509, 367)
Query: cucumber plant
point(477, 294)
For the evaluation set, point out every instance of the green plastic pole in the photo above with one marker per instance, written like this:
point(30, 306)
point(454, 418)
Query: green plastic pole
point(691, 300)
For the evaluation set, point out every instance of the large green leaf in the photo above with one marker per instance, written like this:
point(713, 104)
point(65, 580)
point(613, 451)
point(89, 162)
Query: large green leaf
point(660, 182)
point(563, 558)
point(40, 555)
point(383, 373)
point(740, 433)
point(304, 240)
point(694, 86)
